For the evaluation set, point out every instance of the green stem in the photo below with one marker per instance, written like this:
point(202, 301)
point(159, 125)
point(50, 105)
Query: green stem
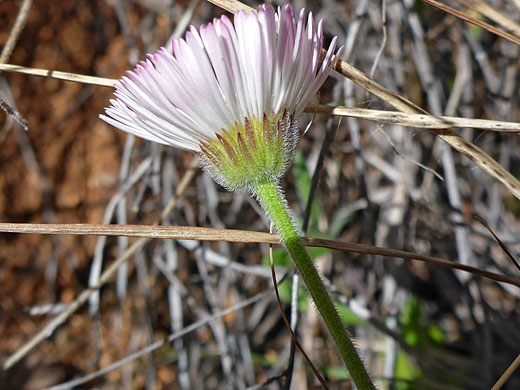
point(272, 200)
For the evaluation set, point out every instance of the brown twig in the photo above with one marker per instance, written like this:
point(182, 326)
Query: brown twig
point(416, 120)
point(471, 151)
point(474, 21)
point(499, 241)
point(413, 120)
point(7, 50)
point(243, 236)
point(15, 31)
point(56, 74)
point(507, 374)
point(492, 13)
point(231, 5)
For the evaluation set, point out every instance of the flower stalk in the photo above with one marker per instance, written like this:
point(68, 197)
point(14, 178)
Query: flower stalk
point(271, 198)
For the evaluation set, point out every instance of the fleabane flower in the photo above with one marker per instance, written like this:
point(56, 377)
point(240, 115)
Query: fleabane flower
point(230, 92)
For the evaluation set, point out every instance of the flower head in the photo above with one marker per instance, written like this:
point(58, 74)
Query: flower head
point(229, 92)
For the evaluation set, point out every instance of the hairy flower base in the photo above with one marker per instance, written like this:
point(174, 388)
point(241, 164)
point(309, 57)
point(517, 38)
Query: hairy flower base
point(260, 149)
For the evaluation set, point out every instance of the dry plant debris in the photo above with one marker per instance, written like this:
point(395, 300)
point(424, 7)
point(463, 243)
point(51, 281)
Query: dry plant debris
point(379, 183)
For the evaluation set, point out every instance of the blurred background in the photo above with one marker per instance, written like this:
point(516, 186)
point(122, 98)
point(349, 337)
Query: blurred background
point(418, 326)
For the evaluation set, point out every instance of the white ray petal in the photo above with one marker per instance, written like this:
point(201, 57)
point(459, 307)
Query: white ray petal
point(216, 77)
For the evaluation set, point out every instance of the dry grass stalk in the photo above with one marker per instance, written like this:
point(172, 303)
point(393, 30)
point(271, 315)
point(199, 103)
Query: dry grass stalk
point(388, 117)
point(231, 235)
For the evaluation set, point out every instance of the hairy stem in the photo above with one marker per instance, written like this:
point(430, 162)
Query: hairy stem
point(273, 202)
